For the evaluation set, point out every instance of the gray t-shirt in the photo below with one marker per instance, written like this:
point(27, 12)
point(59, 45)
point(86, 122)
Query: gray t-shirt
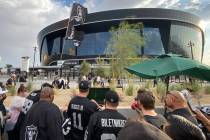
point(158, 121)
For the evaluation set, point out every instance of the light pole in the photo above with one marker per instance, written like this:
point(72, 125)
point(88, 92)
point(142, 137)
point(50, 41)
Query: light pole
point(191, 44)
point(35, 49)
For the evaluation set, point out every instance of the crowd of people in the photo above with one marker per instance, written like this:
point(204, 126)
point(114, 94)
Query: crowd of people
point(34, 116)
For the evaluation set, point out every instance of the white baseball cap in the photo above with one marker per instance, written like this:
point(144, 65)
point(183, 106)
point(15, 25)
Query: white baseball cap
point(3, 91)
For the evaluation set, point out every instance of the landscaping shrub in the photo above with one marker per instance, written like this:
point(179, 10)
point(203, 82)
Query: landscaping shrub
point(148, 84)
point(196, 86)
point(178, 87)
point(161, 91)
point(29, 86)
point(129, 91)
point(12, 90)
point(207, 90)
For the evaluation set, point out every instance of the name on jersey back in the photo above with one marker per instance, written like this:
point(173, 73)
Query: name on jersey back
point(77, 107)
point(112, 122)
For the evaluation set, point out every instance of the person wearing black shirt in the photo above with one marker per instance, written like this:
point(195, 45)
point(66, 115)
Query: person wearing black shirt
point(3, 111)
point(146, 103)
point(176, 101)
point(106, 124)
point(179, 128)
point(11, 81)
point(140, 130)
point(79, 111)
point(43, 121)
point(31, 99)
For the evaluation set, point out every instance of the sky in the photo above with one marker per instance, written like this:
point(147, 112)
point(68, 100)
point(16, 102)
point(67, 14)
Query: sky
point(21, 21)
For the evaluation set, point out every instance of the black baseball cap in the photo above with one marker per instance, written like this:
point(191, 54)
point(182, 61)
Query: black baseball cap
point(112, 97)
point(84, 85)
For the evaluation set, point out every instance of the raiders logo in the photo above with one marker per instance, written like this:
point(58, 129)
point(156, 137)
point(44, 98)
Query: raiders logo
point(31, 132)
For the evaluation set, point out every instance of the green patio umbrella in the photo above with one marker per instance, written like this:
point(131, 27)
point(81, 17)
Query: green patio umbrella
point(169, 65)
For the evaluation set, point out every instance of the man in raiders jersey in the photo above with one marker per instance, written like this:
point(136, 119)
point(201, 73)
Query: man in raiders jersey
point(43, 121)
point(106, 124)
point(79, 111)
point(32, 98)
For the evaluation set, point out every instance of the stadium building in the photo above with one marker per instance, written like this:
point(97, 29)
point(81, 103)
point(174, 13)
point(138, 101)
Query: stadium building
point(165, 31)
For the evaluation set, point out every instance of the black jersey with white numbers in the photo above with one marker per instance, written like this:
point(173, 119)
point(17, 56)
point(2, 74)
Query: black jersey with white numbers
point(79, 111)
point(105, 125)
point(32, 98)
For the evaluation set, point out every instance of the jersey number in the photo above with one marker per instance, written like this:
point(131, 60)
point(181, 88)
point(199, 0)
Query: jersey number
point(27, 105)
point(77, 118)
point(107, 136)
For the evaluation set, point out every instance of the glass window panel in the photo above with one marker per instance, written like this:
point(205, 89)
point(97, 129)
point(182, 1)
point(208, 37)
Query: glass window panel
point(102, 40)
point(153, 43)
point(87, 46)
point(94, 44)
point(69, 47)
point(56, 46)
point(44, 49)
point(185, 37)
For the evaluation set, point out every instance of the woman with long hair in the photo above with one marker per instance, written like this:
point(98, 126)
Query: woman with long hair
point(15, 108)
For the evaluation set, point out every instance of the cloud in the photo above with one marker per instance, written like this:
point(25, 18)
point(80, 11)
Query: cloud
point(102, 5)
point(95, 5)
point(204, 11)
point(21, 20)
point(91, 4)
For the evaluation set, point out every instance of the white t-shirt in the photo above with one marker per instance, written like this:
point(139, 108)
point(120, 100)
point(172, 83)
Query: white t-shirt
point(17, 102)
point(15, 108)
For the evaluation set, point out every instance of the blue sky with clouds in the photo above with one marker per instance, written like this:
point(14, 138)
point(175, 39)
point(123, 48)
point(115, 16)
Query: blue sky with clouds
point(21, 20)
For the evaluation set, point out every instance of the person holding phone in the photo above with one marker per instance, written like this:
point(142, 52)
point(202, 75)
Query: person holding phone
point(176, 101)
point(204, 118)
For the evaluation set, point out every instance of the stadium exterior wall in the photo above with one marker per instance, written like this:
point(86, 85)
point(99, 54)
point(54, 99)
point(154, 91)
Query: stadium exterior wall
point(165, 31)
